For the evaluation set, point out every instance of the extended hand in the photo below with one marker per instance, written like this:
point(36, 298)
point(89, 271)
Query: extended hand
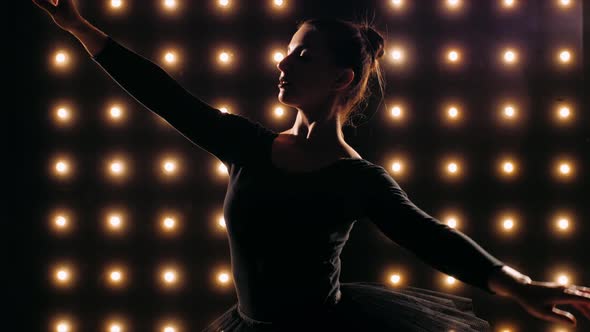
point(64, 12)
point(540, 300)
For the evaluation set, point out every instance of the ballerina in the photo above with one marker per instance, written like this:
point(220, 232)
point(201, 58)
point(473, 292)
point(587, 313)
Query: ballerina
point(294, 196)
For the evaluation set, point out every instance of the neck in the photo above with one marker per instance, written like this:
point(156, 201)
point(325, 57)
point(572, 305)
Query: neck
point(319, 133)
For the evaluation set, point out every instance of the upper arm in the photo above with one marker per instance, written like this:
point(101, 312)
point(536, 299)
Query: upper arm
point(231, 138)
point(388, 206)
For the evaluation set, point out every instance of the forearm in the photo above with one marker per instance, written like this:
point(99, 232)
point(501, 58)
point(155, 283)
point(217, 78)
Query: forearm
point(507, 281)
point(454, 252)
point(457, 255)
point(90, 36)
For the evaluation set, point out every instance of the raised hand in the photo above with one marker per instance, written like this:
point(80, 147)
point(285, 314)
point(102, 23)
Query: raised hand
point(64, 12)
point(540, 299)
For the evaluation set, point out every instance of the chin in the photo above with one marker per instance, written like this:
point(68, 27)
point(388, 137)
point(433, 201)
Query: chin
point(286, 101)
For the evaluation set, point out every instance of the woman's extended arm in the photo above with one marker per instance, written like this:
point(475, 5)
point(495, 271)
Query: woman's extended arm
point(437, 244)
point(231, 138)
point(452, 252)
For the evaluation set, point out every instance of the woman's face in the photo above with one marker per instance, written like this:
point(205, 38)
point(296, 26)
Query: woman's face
point(309, 71)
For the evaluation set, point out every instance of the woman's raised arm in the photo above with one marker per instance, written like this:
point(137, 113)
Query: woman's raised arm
point(231, 138)
point(66, 16)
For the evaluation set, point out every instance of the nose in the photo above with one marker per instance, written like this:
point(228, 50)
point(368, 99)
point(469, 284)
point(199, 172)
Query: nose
point(282, 65)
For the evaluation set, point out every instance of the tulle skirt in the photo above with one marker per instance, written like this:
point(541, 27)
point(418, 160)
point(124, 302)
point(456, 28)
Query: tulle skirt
point(369, 306)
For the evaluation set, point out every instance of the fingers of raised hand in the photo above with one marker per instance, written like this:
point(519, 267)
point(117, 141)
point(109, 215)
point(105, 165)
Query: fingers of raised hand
point(46, 5)
point(562, 316)
point(576, 294)
point(582, 288)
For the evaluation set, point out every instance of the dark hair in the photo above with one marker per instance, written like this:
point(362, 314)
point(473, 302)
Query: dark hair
point(358, 46)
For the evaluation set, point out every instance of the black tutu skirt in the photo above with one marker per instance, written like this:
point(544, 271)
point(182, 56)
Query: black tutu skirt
point(369, 306)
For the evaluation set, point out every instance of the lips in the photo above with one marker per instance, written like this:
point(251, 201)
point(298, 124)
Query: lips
point(284, 81)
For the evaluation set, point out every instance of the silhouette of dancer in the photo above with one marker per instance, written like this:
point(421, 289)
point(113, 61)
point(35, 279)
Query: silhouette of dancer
point(293, 197)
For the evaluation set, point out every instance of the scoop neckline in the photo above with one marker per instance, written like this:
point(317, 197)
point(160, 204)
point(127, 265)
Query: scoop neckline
point(313, 171)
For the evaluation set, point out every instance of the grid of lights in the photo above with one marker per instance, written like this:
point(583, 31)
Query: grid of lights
point(397, 55)
point(116, 275)
point(63, 167)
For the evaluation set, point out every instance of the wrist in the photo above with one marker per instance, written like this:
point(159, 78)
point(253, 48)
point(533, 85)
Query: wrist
point(507, 281)
point(78, 26)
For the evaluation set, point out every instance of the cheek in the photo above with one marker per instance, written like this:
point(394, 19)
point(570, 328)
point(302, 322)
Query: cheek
point(318, 80)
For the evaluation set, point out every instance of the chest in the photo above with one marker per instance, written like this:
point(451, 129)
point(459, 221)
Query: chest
point(291, 156)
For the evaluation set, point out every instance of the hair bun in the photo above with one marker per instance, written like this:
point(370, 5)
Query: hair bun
point(376, 42)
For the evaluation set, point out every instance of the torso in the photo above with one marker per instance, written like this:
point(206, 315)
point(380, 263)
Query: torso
point(289, 154)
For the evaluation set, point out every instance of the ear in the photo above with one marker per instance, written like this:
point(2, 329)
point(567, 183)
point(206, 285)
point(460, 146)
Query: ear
point(344, 79)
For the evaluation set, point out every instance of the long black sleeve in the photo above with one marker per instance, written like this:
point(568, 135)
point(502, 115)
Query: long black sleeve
point(442, 247)
point(231, 138)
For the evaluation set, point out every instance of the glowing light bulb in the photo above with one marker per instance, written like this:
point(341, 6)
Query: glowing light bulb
point(452, 222)
point(170, 4)
point(117, 167)
point(63, 275)
point(170, 57)
point(169, 276)
point(453, 112)
point(509, 111)
point(508, 167)
point(63, 113)
point(508, 3)
point(115, 221)
point(397, 55)
point(453, 3)
point(224, 57)
point(223, 277)
point(278, 56)
point(562, 279)
point(564, 112)
point(453, 56)
point(169, 166)
point(279, 111)
point(452, 167)
point(221, 222)
point(116, 276)
point(510, 56)
point(565, 56)
point(60, 58)
point(115, 328)
point(63, 327)
point(563, 223)
point(61, 167)
point(564, 169)
point(60, 221)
